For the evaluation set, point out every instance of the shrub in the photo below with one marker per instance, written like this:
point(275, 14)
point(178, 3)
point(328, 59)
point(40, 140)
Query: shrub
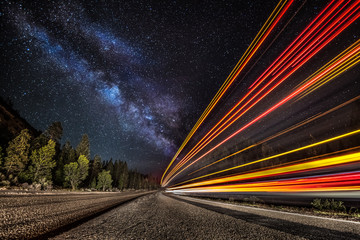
point(353, 210)
point(329, 205)
point(337, 206)
point(326, 204)
point(316, 203)
point(5, 183)
point(253, 200)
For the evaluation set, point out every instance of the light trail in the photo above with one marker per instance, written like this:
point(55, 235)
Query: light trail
point(298, 181)
point(305, 122)
point(339, 62)
point(296, 126)
point(264, 32)
point(351, 64)
point(300, 37)
point(297, 42)
point(290, 169)
point(275, 156)
point(312, 50)
point(181, 162)
point(332, 182)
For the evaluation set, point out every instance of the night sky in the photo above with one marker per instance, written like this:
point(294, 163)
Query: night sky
point(134, 75)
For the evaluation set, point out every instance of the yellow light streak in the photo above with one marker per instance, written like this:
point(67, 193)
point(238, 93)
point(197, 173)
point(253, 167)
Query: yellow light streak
point(277, 155)
point(327, 162)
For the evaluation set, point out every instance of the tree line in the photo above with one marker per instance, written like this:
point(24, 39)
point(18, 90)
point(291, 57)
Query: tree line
point(43, 163)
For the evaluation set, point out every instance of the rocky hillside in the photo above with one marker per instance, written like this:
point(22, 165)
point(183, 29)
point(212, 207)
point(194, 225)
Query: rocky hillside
point(11, 123)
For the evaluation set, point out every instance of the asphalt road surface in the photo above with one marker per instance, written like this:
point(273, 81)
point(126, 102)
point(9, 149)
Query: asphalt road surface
point(162, 216)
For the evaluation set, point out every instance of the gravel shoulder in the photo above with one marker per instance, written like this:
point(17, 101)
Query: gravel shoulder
point(26, 216)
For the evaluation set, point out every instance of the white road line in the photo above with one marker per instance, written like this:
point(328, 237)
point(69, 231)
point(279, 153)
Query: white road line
point(269, 210)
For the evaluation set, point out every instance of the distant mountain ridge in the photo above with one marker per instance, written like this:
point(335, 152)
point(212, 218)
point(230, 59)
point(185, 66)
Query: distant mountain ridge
point(11, 123)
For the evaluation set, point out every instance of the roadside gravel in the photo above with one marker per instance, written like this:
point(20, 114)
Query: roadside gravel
point(31, 215)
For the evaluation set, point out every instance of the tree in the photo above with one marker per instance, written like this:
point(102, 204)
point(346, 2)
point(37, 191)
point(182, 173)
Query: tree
point(75, 172)
point(43, 162)
point(84, 147)
point(110, 166)
point(123, 180)
point(83, 167)
point(67, 155)
point(72, 156)
point(104, 180)
point(17, 153)
point(131, 182)
point(65, 151)
point(95, 168)
point(1, 156)
point(38, 142)
point(72, 174)
point(93, 183)
point(117, 173)
point(54, 131)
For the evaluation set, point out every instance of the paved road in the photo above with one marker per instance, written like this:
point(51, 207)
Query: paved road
point(161, 216)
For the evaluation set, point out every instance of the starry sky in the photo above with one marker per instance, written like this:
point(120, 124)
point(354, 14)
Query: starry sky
point(134, 75)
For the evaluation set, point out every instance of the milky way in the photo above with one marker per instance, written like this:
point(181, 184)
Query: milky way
point(134, 76)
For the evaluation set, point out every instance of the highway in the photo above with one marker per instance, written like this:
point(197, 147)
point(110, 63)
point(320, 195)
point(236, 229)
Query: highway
point(168, 216)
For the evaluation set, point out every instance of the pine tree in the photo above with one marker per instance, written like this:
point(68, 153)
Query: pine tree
point(67, 155)
point(38, 142)
point(1, 156)
point(43, 162)
point(75, 172)
point(110, 167)
point(137, 184)
point(54, 131)
point(104, 180)
point(17, 153)
point(84, 147)
point(123, 180)
point(131, 184)
point(95, 168)
point(117, 173)
point(72, 156)
point(93, 183)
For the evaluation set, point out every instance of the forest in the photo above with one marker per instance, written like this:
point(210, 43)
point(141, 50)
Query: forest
point(42, 163)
